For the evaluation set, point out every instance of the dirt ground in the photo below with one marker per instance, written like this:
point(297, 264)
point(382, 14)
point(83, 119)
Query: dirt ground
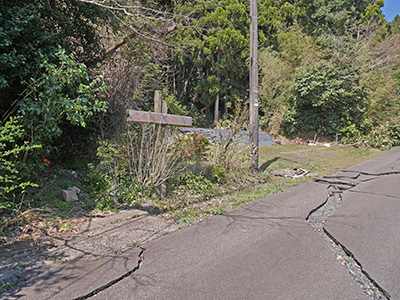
point(84, 238)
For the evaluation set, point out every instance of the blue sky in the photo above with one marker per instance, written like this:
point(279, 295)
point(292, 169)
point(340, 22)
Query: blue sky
point(391, 9)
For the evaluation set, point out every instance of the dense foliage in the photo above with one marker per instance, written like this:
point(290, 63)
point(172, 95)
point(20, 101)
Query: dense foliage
point(12, 186)
point(324, 100)
point(216, 58)
point(46, 89)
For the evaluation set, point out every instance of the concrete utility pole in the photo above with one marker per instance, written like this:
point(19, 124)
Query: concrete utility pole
point(253, 130)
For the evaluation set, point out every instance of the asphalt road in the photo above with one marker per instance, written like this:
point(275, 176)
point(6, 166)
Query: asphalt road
point(265, 250)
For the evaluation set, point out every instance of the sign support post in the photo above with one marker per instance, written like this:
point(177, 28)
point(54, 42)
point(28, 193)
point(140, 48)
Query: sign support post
point(159, 116)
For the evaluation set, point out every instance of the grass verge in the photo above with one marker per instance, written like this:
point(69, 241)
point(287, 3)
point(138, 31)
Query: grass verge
point(319, 161)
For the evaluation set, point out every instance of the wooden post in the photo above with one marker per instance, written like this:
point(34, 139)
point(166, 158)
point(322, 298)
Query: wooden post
point(337, 141)
point(160, 106)
point(164, 107)
point(216, 110)
point(157, 102)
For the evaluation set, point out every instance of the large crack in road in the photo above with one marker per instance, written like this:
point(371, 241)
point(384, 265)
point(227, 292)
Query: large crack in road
point(111, 283)
point(317, 218)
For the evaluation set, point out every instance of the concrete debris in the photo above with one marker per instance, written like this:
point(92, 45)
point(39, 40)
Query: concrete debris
point(221, 136)
point(300, 172)
point(71, 194)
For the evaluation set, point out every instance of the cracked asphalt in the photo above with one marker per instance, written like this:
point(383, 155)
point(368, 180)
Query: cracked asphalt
point(336, 238)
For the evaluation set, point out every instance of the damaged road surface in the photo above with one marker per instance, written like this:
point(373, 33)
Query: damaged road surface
point(265, 250)
point(77, 279)
point(368, 221)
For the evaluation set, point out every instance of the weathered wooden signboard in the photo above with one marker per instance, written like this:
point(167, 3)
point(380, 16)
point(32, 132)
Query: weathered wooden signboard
point(158, 118)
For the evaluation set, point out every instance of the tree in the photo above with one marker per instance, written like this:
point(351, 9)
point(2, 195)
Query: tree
point(214, 57)
point(30, 30)
point(325, 99)
point(63, 92)
point(42, 41)
point(331, 17)
point(218, 45)
point(394, 26)
point(295, 50)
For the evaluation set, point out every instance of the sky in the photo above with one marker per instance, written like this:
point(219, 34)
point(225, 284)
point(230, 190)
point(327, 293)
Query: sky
point(391, 9)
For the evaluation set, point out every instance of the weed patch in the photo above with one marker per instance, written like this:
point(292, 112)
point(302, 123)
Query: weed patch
point(242, 187)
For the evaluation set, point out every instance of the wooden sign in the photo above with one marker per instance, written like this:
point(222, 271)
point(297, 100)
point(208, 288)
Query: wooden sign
point(158, 118)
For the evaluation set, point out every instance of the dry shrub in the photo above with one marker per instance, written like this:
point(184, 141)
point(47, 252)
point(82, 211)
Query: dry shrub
point(152, 160)
point(232, 154)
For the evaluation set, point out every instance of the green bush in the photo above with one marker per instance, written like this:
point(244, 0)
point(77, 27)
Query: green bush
point(217, 173)
point(324, 100)
point(384, 136)
point(63, 92)
point(12, 186)
point(110, 187)
point(191, 188)
point(193, 147)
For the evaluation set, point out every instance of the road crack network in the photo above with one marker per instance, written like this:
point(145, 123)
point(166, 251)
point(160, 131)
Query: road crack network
point(317, 218)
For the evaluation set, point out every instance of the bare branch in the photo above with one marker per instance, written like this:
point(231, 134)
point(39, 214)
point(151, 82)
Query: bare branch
point(127, 9)
point(115, 47)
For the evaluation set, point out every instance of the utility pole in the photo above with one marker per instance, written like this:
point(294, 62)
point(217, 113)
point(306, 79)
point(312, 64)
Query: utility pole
point(253, 130)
